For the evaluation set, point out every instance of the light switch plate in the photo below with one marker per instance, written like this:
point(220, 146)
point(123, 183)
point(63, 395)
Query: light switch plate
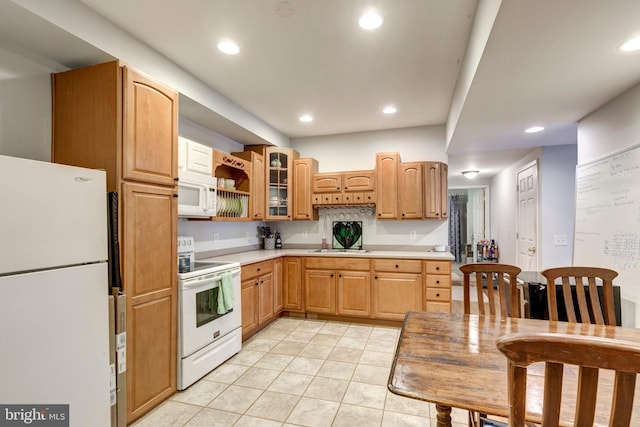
point(560, 240)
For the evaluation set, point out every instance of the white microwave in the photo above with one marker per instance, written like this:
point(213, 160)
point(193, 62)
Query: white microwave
point(196, 195)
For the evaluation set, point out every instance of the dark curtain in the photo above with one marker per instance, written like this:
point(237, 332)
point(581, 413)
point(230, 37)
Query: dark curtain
point(457, 225)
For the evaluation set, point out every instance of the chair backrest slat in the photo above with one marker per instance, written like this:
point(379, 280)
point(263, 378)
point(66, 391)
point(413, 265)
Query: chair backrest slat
point(503, 277)
point(589, 313)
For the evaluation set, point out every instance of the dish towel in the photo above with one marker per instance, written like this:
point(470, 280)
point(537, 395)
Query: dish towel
point(225, 293)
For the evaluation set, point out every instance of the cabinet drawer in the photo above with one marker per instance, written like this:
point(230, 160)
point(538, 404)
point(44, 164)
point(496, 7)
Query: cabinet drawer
point(439, 294)
point(438, 281)
point(256, 269)
point(399, 265)
point(337, 263)
point(439, 307)
point(438, 267)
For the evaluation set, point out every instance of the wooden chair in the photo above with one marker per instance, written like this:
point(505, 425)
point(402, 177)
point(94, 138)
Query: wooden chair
point(588, 353)
point(502, 276)
point(581, 277)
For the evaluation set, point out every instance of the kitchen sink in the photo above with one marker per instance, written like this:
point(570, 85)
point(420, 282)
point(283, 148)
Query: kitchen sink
point(354, 251)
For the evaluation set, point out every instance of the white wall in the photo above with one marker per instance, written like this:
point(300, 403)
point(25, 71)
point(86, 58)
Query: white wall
point(612, 127)
point(356, 151)
point(557, 182)
point(25, 104)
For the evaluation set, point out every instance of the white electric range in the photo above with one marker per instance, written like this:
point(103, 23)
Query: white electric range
point(207, 335)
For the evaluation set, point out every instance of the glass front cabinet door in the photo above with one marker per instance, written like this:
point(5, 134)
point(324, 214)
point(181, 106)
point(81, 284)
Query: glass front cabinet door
point(279, 178)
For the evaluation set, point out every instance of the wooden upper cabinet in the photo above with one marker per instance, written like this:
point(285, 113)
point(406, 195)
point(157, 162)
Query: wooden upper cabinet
point(303, 170)
point(436, 201)
point(387, 165)
point(278, 180)
point(327, 183)
point(150, 152)
point(111, 117)
point(410, 190)
point(359, 181)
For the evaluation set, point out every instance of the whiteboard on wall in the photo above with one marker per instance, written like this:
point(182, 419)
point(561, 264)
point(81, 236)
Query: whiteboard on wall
point(607, 228)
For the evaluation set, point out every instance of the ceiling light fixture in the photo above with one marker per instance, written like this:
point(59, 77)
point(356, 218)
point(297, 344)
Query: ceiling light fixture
point(306, 118)
point(470, 174)
point(389, 109)
point(534, 129)
point(370, 21)
point(228, 46)
point(630, 45)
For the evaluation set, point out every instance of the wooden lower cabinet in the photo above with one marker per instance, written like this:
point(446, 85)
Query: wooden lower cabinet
point(438, 286)
point(396, 293)
point(292, 284)
point(261, 294)
point(278, 290)
point(354, 293)
point(339, 286)
point(320, 291)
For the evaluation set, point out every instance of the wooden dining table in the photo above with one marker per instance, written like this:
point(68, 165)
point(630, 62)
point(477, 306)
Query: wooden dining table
point(452, 360)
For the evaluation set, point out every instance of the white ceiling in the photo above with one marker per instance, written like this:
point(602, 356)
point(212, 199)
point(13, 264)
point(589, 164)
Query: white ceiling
point(547, 62)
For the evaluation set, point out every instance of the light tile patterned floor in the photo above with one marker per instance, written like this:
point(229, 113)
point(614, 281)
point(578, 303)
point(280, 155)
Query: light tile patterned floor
point(301, 372)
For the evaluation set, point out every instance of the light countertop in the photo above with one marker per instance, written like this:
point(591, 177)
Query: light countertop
point(249, 257)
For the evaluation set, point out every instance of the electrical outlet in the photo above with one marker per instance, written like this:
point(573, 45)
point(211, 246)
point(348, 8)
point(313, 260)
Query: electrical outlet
point(305, 235)
point(560, 240)
point(412, 235)
point(216, 237)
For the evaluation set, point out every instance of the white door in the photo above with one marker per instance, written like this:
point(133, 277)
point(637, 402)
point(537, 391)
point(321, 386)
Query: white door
point(527, 232)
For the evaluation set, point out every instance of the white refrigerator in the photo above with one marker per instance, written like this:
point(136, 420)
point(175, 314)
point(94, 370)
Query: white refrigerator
point(54, 330)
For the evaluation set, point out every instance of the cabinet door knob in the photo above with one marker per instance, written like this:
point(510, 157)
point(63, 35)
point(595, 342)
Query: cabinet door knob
point(331, 274)
point(437, 268)
point(176, 179)
point(337, 188)
point(340, 275)
point(397, 266)
point(379, 214)
point(375, 277)
point(437, 294)
point(437, 281)
point(403, 214)
point(258, 269)
point(257, 282)
point(175, 195)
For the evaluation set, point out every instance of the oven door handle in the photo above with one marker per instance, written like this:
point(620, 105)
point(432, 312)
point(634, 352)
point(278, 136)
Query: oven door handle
point(208, 283)
point(205, 282)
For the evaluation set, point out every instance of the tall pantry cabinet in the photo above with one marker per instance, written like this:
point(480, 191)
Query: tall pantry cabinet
point(111, 117)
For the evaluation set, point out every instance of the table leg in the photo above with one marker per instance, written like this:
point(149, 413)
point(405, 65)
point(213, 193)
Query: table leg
point(443, 415)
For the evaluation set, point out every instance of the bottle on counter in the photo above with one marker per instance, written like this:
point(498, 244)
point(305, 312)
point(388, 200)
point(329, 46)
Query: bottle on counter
point(278, 241)
point(324, 242)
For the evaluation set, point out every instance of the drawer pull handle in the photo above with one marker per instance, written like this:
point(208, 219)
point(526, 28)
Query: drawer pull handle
point(397, 266)
point(437, 281)
point(437, 295)
point(437, 268)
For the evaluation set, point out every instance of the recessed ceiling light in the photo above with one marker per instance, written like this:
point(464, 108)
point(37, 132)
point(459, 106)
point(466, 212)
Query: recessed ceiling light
point(228, 46)
point(534, 129)
point(389, 109)
point(306, 118)
point(470, 174)
point(630, 45)
point(370, 21)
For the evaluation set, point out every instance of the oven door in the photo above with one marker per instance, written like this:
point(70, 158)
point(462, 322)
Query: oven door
point(200, 323)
